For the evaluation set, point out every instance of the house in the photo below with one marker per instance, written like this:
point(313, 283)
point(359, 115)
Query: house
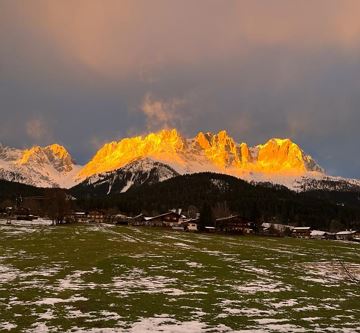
point(331, 235)
point(97, 216)
point(137, 220)
point(21, 213)
point(79, 217)
point(210, 229)
point(120, 219)
point(235, 224)
point(318, 234)
point(301, 232)
point(357, 236)
point(347, 235)
point(192, 226)
point(179, 227)
point(276, 227)
point(168, 219)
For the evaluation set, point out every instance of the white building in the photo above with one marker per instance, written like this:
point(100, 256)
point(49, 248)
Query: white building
point(192, 226)
point(345, 235)
point(318, 234)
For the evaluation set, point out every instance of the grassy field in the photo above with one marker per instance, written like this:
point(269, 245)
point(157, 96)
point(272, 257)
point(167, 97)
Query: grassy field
point(127, 279)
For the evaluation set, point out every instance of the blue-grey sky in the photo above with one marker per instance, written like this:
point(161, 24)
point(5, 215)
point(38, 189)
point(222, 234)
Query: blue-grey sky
point(84, 72)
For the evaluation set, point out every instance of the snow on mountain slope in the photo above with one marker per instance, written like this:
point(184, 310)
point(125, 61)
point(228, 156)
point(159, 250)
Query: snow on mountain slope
point(50, 166)
point(206, 152)
point(329, 183)
point(279, 161)
point(138, 172)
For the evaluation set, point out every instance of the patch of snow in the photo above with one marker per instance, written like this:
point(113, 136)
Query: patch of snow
point(8, 273)
point(6, 326)
point(53, 300)
point(262, 285)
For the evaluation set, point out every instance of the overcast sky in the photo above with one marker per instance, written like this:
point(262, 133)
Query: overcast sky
point(83, 72)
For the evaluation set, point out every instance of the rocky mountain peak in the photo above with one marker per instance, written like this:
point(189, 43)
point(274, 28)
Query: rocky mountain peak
point(54, 155)
point(217, 151)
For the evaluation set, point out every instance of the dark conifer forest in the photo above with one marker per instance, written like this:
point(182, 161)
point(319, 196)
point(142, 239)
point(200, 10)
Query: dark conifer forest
point(260, 202)
point(330, 210)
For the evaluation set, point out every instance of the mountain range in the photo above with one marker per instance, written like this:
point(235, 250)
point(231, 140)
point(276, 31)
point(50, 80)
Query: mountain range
point(50, 166)
point(118, 166)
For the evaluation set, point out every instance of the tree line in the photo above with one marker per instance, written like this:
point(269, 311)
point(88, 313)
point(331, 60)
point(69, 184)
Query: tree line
point(225, 194)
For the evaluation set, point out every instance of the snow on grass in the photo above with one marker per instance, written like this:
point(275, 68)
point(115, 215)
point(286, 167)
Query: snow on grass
point(40, 327)
point(183, 245)
point(157, 324)
point(137, 281)
point(48, 315)
point(262, 285)
point(53, 300)
point(166, 325)
point(288, 328)
point(194, 264)
point(284, 304)
point(42, 271)
point(6, 326)
point(74, 281)
point(8, 273)
point(24, 223)
point(266, 321)
point(124, 286)
point(326, 272)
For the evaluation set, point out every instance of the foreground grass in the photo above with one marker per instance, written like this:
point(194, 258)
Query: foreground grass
point(78, 278)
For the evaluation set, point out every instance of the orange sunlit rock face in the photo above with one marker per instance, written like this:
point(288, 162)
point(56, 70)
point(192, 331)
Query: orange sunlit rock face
point(163, 145)
point(281, 155)
point(55, 153)
point(216, 151)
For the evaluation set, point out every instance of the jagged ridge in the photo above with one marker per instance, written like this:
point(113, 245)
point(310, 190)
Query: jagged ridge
point(279, 161)
point(206, 152)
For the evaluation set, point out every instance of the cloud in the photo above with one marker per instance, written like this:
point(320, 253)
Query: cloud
point(37, 130)
point(96, 71)
point(161, 113)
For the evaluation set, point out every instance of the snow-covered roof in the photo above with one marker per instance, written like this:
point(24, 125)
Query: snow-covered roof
point(147, 218)
point(122, 216)
point(318, 233)
point(277, 226)
point(189, 219)
point(301, 228)
point(346, 232)
point(227, 218)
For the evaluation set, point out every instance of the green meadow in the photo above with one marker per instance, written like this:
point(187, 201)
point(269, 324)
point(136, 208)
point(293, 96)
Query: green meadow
point(89, 278)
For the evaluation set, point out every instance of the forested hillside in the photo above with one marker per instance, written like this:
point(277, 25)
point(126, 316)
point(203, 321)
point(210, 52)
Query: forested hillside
point(12, 190)
point(227, 194)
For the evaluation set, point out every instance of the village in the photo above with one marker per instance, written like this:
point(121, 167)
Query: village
point(176, 220)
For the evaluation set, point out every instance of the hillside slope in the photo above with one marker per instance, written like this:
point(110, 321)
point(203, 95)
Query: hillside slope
point(134, 174)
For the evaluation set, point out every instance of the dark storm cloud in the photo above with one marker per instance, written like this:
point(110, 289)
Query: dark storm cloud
point(85, 72)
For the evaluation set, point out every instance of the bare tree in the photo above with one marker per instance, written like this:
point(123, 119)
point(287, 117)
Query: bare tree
point(345, 269)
